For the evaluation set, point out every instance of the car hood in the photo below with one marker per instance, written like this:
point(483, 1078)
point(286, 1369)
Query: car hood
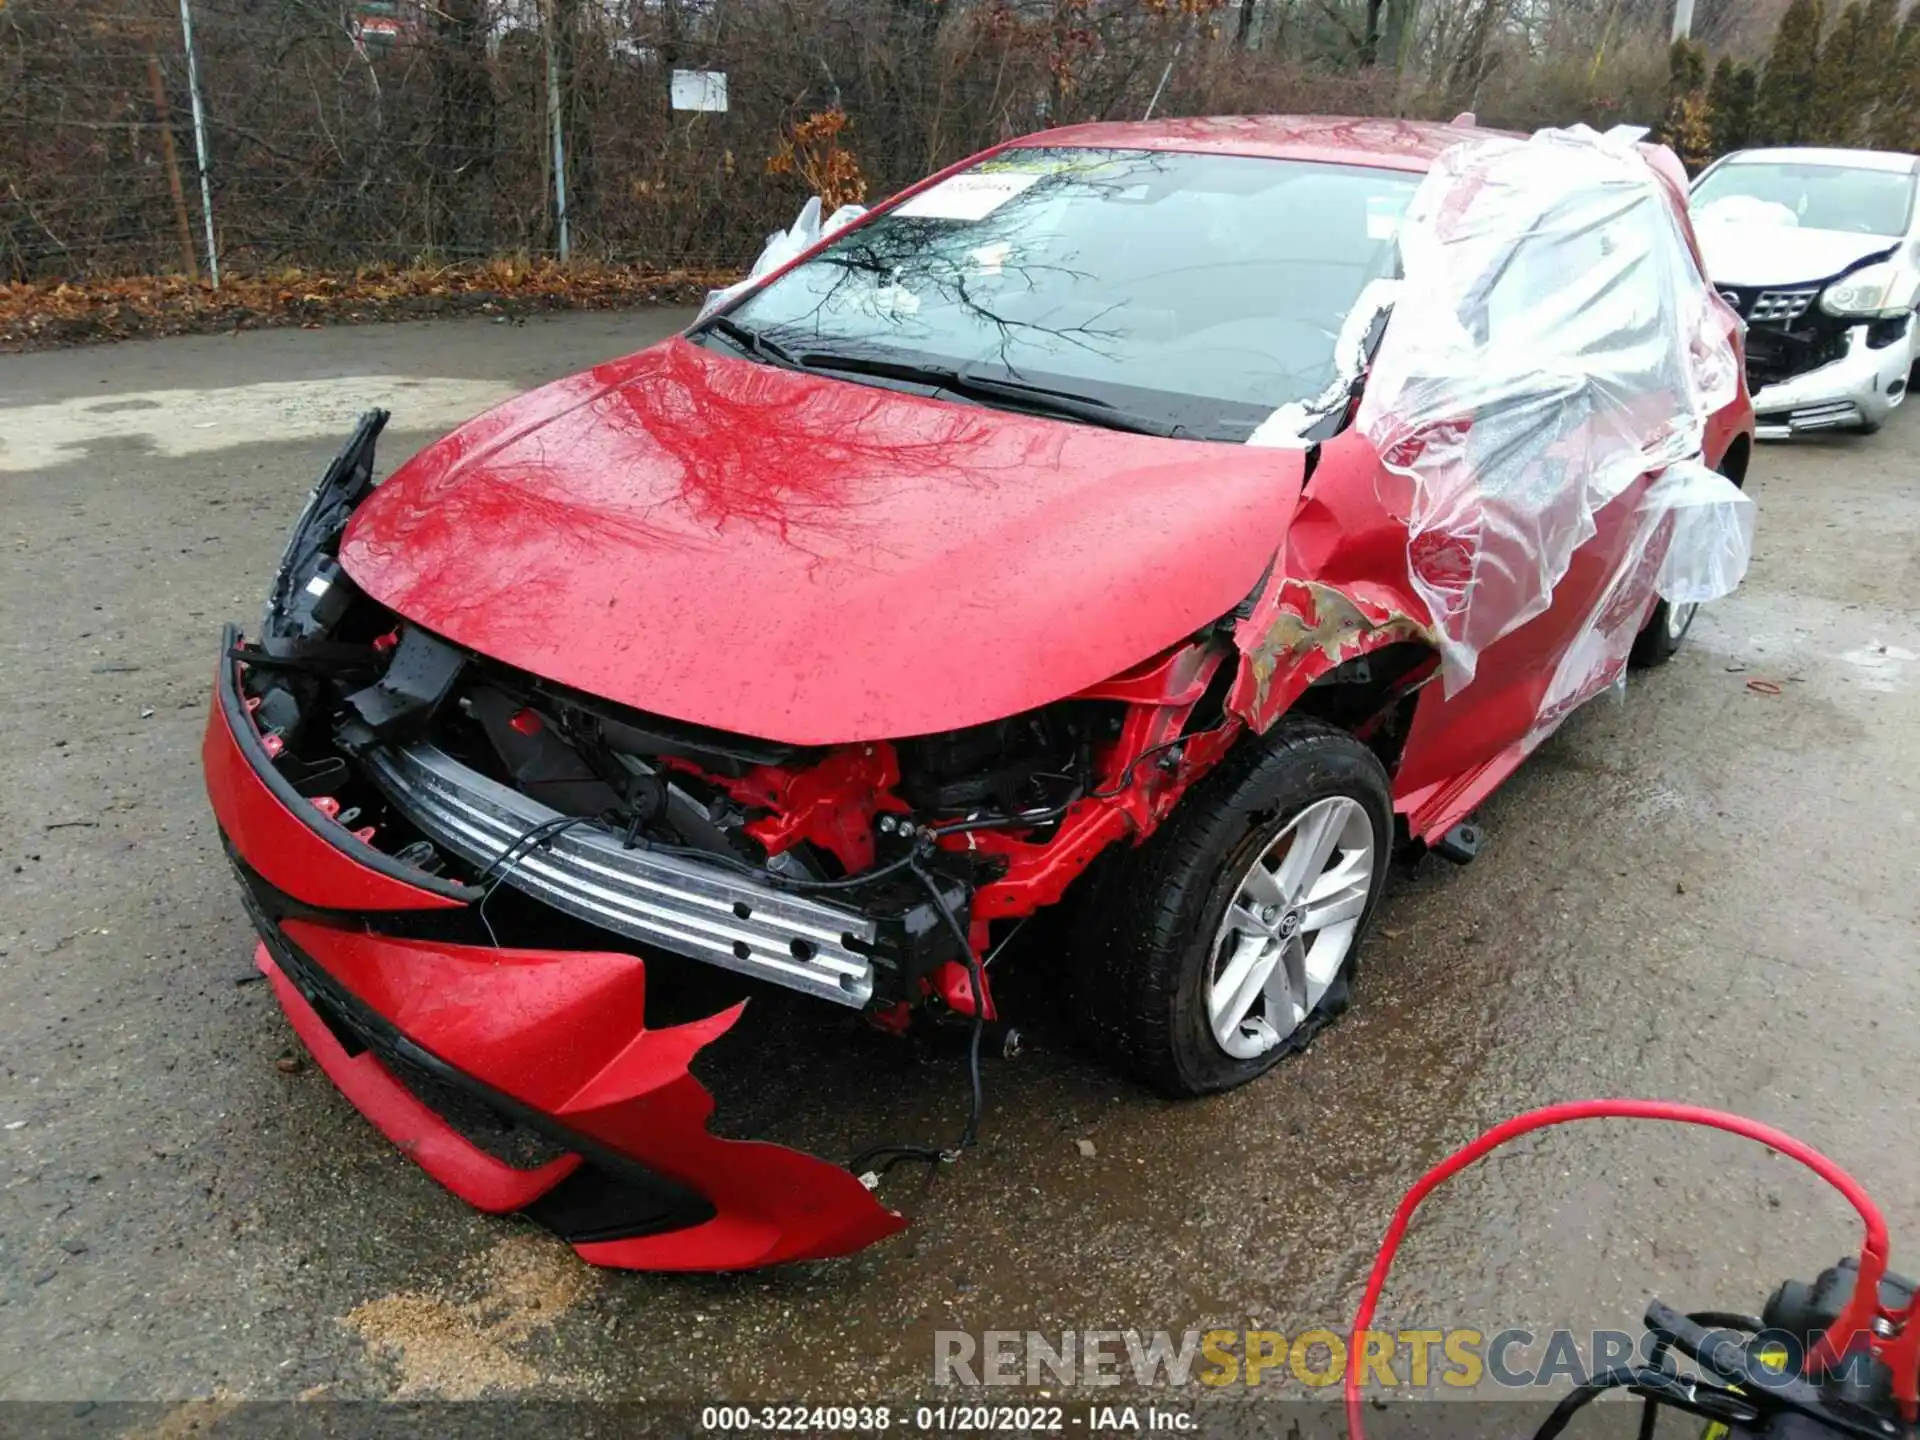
point(1758, 244)
point(810, 560)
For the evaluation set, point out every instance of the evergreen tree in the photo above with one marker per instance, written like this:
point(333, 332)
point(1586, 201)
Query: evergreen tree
point(1686, 127)
point(1882, 25)
point(1784, 108)
point(1729, 130)
point(1746, 101)
point(1844, 82)
point(1686, 67)
point(1896, 108)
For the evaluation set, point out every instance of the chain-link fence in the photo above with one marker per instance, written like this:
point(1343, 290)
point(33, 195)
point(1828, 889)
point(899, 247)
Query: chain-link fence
point(668, 134)
point(342, 133)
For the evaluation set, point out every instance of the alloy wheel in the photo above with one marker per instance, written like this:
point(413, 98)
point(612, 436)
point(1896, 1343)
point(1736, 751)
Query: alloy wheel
point(1290, 927)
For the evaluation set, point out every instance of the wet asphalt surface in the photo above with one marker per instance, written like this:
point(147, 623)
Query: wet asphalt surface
point(1705, 891)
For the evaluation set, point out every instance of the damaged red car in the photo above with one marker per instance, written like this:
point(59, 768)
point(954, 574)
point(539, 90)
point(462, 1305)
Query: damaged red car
point(1173, 519)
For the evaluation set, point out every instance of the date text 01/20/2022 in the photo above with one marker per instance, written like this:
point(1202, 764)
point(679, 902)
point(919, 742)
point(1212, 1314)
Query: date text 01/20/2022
point(946, 1419)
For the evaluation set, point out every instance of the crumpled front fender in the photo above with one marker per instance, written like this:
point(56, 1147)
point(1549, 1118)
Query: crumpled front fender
point(1300, 630)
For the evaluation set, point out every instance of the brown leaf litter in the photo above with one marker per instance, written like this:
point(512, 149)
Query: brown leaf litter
point(40, 314)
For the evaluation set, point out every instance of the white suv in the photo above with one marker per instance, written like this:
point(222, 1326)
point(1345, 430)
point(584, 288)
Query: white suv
point(1819, 251)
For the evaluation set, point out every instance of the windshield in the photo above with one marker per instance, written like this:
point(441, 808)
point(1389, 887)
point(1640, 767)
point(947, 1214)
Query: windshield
point(1821, 197)
point(1203, 291)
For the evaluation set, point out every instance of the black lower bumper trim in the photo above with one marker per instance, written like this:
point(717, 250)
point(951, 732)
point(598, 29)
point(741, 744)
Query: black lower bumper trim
point(592, 1205)
point(611, 1197)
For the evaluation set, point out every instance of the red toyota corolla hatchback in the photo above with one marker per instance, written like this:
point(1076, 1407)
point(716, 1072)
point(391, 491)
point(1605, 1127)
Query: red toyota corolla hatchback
point(1177, 516)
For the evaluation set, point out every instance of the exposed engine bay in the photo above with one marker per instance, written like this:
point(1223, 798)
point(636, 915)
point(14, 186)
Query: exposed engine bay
point(872, 875)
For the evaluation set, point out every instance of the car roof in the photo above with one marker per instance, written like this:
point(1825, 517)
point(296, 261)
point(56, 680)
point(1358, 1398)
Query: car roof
point(1343, 140)
point(1821, 155)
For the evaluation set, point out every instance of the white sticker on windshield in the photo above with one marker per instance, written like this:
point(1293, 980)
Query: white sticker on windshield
point(966, 197)
point(991, 259)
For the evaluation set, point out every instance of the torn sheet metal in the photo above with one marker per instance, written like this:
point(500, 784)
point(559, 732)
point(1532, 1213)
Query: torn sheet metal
point(1553, 342)
point(1300, 630)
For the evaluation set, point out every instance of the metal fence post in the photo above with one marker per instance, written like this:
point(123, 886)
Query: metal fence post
point(1165, 75)
point(200, 140)
point(553, 118)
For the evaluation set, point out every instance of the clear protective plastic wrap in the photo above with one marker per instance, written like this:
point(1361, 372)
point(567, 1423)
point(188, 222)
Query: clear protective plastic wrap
point(1689, 537)
point(1553, 342)
point(1712, 537)
point(782, 246)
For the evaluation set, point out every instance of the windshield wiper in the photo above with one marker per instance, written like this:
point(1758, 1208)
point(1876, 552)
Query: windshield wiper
point(991, 389)
point(753, 342)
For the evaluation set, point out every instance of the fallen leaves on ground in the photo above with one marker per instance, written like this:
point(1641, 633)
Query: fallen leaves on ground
point(49, 313)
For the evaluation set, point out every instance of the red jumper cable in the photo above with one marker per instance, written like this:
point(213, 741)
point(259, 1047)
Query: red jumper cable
point(1865, 1324)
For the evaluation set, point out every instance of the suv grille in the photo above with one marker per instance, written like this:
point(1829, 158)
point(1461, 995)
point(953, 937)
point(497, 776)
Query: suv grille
point(1780, 305)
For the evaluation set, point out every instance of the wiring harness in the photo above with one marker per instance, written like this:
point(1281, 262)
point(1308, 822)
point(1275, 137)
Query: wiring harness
point(880, 1158)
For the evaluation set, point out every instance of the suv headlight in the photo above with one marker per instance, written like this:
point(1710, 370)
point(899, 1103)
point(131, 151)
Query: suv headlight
point(1866, 294)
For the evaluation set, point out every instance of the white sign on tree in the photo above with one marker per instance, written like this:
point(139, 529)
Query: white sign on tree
point(699, 90)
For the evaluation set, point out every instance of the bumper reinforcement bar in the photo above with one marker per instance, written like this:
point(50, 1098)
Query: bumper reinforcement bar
point(680, 905)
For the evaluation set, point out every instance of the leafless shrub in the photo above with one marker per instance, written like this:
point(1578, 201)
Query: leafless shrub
point(346, 133)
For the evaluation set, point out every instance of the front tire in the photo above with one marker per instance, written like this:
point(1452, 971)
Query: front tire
point(1230, 935)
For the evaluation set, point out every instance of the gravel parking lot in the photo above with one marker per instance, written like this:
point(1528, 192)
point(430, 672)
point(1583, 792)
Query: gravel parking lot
point(1705, 891)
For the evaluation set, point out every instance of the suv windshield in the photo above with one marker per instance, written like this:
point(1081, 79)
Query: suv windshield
point(1821, 197)
point(1197, 291)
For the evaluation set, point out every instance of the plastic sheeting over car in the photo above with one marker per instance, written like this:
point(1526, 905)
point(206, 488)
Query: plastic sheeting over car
point(1552, 344)
point(786, 246)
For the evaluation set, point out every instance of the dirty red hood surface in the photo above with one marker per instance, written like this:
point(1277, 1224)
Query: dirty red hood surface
point(807, 559)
